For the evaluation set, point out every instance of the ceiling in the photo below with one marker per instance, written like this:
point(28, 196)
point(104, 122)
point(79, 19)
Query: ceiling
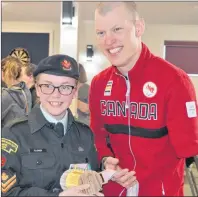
point(185, 13)
point(31, 11)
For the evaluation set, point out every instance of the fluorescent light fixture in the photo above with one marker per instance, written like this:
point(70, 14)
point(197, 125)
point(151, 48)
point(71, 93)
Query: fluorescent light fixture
point(66, 20)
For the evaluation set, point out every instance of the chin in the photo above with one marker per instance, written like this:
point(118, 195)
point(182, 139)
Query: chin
point(117, 63)
point(58, 113)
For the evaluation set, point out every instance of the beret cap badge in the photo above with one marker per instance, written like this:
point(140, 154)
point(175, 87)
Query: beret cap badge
point(66, 65)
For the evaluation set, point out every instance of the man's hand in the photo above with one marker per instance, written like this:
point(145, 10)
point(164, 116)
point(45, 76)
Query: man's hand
point(125, 178)
point(78, 191)
point(122, 176)
point(111, 163)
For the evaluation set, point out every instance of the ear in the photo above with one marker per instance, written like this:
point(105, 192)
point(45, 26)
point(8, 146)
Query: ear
point(75, 93)
point(38, 91)
point(31, 77)
point(139, 27)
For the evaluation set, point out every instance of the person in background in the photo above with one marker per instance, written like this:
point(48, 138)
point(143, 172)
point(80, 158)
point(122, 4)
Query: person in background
point(16, 99)
point(27, 76)
point(143, 109)
point(3, 84)
point(83, 95)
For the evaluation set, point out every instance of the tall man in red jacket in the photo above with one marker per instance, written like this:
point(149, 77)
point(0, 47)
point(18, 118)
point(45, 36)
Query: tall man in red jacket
point(143, 109)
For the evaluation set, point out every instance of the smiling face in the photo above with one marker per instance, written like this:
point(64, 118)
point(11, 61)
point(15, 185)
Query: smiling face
point(55, 103)
point(118, 35)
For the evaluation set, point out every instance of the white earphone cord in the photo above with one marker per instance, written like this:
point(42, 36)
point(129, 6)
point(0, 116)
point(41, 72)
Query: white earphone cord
point(129, 126)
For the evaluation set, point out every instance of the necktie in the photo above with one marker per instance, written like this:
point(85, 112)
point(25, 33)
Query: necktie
point(59, 129)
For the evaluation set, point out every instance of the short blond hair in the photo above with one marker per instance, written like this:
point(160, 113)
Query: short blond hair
point(104, 7)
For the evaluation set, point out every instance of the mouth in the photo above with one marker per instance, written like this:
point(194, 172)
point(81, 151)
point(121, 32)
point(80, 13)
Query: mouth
point(115, 51)
point(55, 104)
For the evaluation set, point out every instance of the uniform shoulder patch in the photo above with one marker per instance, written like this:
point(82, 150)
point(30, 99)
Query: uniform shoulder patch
point(17, 121)
point(8, 180)
point(8, 146)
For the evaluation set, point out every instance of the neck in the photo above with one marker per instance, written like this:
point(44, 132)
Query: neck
point(131, 62)
point(29, 85)
point(13, 82)
point(60, 117)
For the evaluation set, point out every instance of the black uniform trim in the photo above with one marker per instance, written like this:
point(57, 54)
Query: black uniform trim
point(136, 131)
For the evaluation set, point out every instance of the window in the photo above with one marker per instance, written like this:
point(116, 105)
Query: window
point(183, 54)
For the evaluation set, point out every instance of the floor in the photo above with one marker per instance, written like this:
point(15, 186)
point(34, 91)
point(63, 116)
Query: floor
point(187, 190)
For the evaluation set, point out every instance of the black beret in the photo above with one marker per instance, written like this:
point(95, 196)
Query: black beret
point(60, 65)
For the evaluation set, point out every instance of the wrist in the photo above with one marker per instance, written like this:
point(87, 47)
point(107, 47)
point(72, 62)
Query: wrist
point(102, 164)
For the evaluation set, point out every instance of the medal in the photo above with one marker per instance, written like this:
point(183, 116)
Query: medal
point(78, 176)
point(72, 178)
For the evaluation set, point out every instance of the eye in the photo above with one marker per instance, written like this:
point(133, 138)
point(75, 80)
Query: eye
point(65, 87)
point(100, 33)
point(49, 86)
point(117, 29)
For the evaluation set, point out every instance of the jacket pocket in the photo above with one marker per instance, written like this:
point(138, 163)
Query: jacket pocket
point(37, 168)
point(79, 156)
point(38, 161)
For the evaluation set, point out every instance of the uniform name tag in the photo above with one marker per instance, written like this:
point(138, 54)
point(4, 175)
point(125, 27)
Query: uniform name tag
point(38, 150)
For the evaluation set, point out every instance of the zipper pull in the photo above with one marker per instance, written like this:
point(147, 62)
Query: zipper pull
point(127, 92)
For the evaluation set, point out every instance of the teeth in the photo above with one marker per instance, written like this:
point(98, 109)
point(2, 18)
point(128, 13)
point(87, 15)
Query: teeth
point(55, 103)
point(115, 50)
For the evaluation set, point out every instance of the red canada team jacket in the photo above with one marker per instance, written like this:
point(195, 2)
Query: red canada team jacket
point(161, 102)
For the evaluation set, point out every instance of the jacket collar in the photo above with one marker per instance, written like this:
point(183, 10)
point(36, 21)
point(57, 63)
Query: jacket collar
point(136, 71)
point(37, 120)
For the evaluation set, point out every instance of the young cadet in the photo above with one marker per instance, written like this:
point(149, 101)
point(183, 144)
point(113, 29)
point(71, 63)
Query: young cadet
point(142, 107)
point(37, 149)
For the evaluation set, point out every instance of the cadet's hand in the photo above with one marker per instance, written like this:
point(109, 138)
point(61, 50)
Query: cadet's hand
point(122, 176)
point(75, 191)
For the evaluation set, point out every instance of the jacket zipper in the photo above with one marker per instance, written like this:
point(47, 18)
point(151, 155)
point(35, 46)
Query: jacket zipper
point(126, 78)
point(127, 105)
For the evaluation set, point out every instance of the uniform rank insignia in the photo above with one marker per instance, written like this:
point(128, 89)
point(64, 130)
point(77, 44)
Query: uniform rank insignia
point(8, 146)
point(8, 179)
point(108, 88)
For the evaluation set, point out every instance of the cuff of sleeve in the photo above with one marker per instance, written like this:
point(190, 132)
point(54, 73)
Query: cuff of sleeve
point(102, 167)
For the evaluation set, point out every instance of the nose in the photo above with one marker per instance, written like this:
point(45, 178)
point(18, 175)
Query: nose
point(56, 93)
point(109, 39)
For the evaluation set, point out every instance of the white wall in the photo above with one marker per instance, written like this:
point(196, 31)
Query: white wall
point(154, 38)
point(52, 28)
point(87, 37)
